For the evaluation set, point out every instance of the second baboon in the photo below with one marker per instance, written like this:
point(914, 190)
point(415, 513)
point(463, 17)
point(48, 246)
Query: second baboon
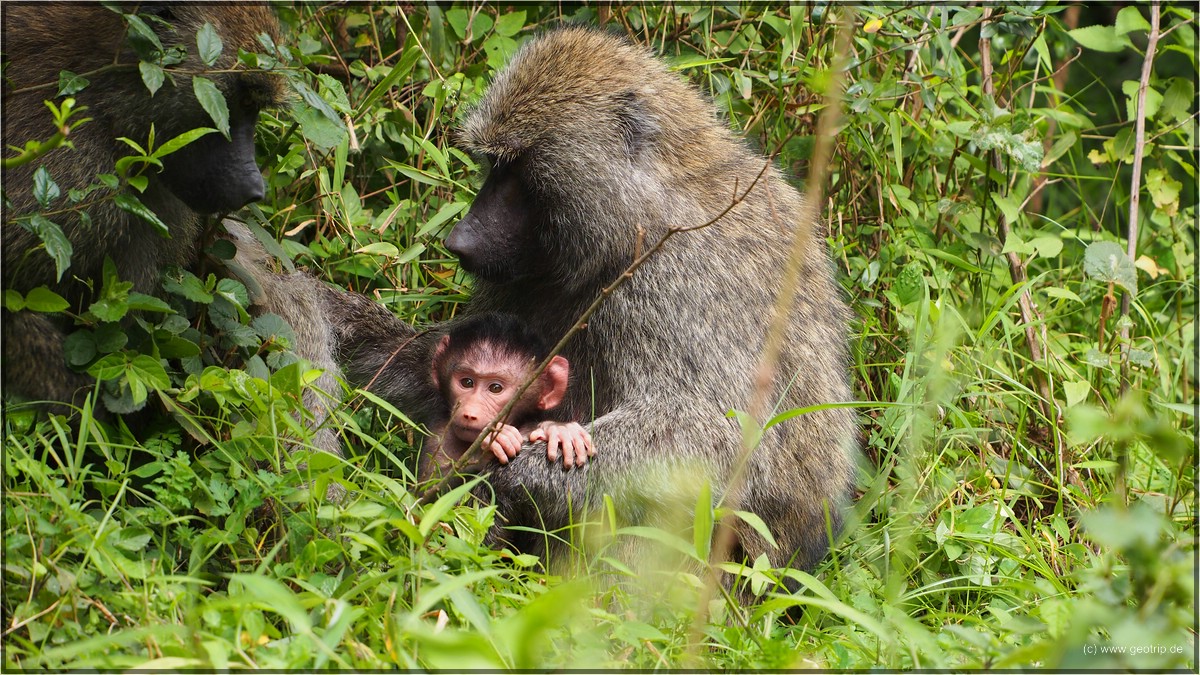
point(210, 176)
point(591, 141)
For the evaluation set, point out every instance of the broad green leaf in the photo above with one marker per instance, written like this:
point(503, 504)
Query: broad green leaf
point(1076, 391)
point(133, 205)
point(1178, 99)
point(267, 593)
point(69, 83)
point(208, 44)
point(153, 75)
point(58, 247)
point(510, 24)
point(1153, 100)
point(1047, 246)
point(1100, 38)
point(1061, 293)
point(437, 510)
point(45, 190)
point(1131, 19)
point(1106, 262)
point(42, 299)
point(457, 18)
point(13, 301)
point(213, 102)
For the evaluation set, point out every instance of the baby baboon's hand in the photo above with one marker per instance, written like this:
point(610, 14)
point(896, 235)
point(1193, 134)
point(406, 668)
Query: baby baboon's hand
point(575, 441)
point(504, 443)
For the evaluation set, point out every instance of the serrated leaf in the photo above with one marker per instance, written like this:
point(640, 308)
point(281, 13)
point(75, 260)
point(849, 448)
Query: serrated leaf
point(153, 75)
point(1178, 99)
point(213, 102)
point(1131, 19)
point(208, 44)
point(1099, 38)
point(316, 102)
point(1104, 261)
point(150, 371)
point(42, 299)
point(189, 286)
point(58, 247)
point(147, 303)
point(109, 367)
point(131, 204)
point(45, 190)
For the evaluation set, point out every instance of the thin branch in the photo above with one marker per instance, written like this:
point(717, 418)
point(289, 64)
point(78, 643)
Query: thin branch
point(827, 123)
point(1016, 266)
point(1135, 188)
point(469, 461)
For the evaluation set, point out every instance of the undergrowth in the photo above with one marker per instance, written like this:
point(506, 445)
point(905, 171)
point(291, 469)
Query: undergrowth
point(1026, 496)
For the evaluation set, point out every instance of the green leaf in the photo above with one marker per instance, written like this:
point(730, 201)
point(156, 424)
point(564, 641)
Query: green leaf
point(315, 101)
point(45, 190)
point(187, 285)
point(181, 141)
point(108, 368)
point(267, 593)
point(80, 347)
point(1077, 392)
point(1178, 99)
point(208, 44)
point(457, 18)
point(510, 24)
point(13, 301)
point(69, 83)
point(131, 204)
point(42, 299)
point(437, 510)
point(213, 102)
point(153, 75)
point(1131, 19)
point(1153, 100)
point(143, 38)
point(1104, 261)
point(1099, 38)
point(909, 285)
point(58, 247)
point(148, 303)
point(1047, 246)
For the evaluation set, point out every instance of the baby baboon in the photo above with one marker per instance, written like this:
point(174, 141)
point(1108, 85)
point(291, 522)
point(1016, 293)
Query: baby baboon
point(590, 138)
point(478, 366)
point(210, 176)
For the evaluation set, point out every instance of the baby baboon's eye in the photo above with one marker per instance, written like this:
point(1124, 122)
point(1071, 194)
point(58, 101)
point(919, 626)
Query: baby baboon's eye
point(496, 388)
point(467, 383)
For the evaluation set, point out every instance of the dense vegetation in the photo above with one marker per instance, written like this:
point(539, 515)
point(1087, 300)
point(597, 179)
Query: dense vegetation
point(1027, 492)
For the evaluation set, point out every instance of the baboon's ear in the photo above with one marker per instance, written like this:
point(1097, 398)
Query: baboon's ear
point(639, 129)
point(554, 383)
point(439, 352)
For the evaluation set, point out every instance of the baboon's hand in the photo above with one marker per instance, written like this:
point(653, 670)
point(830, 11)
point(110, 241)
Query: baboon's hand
point(575, 441)
point(504, 443)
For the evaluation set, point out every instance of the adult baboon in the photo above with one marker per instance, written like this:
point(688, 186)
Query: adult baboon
point(210, 176)
point(589, 138)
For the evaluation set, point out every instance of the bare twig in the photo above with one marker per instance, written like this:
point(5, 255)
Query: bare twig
point(1135, 188)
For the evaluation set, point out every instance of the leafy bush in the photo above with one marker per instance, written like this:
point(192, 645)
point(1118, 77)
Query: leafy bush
point(1028, 483)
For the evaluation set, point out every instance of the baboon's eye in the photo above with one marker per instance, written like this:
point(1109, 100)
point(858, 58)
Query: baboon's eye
point(467, 383)
point(495, 387)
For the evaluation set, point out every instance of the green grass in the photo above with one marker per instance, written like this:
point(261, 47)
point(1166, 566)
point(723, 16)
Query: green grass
point(1012, 512)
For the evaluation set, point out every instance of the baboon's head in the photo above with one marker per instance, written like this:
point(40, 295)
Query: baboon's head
point(584, 136)
point(211, 175)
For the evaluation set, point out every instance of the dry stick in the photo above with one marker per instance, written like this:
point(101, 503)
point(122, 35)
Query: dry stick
point(467, 461)
point(1135, 188)
point(723, 538)
point(1016, 267)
